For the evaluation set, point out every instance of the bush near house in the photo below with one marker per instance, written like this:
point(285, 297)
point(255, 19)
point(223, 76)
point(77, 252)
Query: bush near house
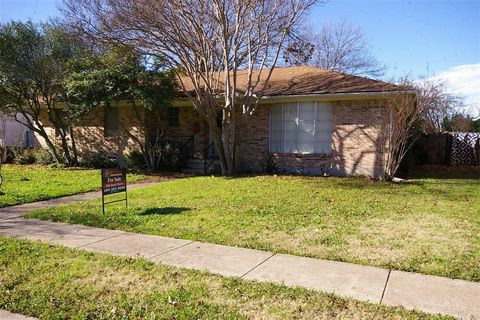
point(43, 156)
point(98, 161)
point(25, 156)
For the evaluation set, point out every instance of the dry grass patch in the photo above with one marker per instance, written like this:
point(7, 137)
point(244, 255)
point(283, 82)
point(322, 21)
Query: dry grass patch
point(398, 237)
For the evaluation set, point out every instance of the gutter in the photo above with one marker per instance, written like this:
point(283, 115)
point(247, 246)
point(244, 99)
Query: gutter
point(311, 97)
point(185, 102)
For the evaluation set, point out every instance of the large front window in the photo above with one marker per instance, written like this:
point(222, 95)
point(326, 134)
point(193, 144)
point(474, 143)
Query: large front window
point(301, 127)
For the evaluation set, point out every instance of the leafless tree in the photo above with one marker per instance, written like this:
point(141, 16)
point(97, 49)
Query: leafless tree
point(338, 46)
point(438, 104)
point(210, 42)
point(405, 112)
point(417, 107)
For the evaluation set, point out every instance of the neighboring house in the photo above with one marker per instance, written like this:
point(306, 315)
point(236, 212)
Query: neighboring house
point(310, 121)
point(13, 133)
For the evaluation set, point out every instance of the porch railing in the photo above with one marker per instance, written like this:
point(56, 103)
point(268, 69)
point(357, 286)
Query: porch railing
point(209, 158)
point(184, 145)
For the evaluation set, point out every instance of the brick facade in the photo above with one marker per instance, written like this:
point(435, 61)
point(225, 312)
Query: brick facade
point(90, 136)
point(190, 124)
point(358, 142)
point(358, 139)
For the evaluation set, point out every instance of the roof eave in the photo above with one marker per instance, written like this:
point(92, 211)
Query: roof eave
point(313, 97)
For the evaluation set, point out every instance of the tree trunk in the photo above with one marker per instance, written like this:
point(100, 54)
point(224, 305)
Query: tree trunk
point(226, 137)
point(66, 148)
point(50, 145)
point(218, 143)
point(74, 145)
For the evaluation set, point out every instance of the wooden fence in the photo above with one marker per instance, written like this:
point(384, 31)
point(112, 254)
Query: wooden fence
point(432, 149)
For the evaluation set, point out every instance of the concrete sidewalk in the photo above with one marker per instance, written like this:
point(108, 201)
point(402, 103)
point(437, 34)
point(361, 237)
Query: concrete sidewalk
point(395, 288)
point(5, 315)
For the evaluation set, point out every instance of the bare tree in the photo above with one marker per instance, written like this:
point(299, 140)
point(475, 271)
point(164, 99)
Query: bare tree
point(299, 51)
point(417, 107)
point(338, 46)
point(210, 42)
point(405, 112)
point(459, 122)
point(438, 104)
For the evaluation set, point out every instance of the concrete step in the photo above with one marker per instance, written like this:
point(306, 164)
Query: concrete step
point(193, 171)
point(197, 166)
point(194, 161)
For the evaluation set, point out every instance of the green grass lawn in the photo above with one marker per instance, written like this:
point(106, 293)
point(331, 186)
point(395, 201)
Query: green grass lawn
point(23, 184)
point(97, 286)
point(431, 226)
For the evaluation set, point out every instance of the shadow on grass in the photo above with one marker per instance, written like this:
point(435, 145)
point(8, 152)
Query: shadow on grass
point(445, 172)
point(164, 211)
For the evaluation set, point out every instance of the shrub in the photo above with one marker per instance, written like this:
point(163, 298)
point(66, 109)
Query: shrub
point(272, 164)
point(98, 161)
point(43, 156)
point(8, 156)
point(135, 160)
point(170, 158)
point(56, 165)
point(25, 156)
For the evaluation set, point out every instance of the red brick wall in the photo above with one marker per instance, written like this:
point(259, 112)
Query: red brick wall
point(90, 139)
point(358, 139)
point(254, 140)
point(190, 124)
point(358, 142)
point(89, 133)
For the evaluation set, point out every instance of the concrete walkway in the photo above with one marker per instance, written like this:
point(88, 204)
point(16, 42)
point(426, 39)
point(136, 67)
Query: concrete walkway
point(5, 315)
point(22, 209)
point(395, 288)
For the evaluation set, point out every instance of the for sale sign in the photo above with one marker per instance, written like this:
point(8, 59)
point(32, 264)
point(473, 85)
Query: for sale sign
point(114, 180)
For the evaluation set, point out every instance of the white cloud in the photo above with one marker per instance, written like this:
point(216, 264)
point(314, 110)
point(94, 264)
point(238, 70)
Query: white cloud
point(464, 80)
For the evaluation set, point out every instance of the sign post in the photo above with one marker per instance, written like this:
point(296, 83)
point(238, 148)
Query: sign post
point(114, 180)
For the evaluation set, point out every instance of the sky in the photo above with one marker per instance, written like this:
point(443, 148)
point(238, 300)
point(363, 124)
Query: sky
point(438, 39)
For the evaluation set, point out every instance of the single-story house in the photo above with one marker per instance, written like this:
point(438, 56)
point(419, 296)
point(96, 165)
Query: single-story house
point(15, 134)
point(310, 121)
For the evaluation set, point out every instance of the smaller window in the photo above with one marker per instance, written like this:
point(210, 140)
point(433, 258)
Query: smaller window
point(173, 117)
point(111, 122)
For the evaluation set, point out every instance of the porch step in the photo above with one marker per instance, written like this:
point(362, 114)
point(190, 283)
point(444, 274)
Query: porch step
point(197, 166)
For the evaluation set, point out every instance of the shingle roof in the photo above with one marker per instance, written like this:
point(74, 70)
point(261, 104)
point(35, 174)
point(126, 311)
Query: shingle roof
point(304, 80)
